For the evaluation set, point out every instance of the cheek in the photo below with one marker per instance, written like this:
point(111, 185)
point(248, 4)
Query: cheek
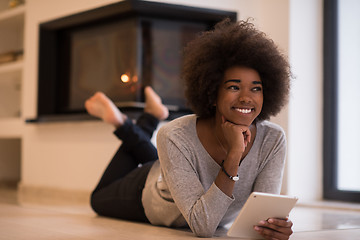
point(261, 104)
point(221, 98)
point(261, 99)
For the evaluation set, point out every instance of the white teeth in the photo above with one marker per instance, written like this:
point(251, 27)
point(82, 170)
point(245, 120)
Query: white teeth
point(243, 110)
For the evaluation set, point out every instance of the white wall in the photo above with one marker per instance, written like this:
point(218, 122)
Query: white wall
point(72, 155)
point(305, 107)
point(68, 155)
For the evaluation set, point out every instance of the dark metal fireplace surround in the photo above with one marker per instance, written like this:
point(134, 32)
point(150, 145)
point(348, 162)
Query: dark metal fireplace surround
point(117, 49)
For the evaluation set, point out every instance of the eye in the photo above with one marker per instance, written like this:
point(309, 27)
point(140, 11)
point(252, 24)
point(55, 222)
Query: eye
point(233, 87)
point(257, 89)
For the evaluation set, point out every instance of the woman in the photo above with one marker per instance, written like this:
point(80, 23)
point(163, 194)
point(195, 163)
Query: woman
point(210, 162)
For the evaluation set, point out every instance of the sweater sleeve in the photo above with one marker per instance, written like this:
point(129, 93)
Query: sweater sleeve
point(202, 208)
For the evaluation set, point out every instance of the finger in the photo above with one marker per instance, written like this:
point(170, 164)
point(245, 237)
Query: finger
point(286, 223)
point(247, 135)
point(270, 233)
point(279, 225)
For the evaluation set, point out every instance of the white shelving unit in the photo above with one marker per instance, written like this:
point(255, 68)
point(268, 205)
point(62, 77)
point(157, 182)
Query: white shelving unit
point(12, 39)
point(11, 74)
point(11, 67)
point(6, 13)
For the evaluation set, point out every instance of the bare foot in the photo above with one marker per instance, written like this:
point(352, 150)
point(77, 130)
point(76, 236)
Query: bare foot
point(99, 105)
point(153, 104)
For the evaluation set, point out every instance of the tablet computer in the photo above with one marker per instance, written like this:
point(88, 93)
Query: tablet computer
point(260, 206)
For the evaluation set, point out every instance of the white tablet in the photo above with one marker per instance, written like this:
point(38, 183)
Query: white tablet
point(260, 206)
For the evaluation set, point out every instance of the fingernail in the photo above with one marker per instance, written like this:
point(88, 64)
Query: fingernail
point(256, 228)
point(271, 220)
point(262, 222)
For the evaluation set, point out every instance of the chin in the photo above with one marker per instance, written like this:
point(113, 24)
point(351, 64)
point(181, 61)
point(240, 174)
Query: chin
point(242, 122)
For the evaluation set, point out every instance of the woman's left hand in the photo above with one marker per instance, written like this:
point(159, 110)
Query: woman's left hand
point(275, 229)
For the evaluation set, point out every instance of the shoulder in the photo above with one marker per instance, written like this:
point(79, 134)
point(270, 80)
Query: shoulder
point(182, 125)
point(270, 128)
point(271, 134)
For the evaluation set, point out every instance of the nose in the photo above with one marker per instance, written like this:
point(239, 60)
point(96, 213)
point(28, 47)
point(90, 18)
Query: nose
point(244, 97)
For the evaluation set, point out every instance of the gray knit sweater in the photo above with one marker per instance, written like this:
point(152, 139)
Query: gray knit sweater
point(180, 188)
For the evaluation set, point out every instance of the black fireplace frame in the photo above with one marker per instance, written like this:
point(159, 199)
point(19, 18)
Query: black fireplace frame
point(48, 69)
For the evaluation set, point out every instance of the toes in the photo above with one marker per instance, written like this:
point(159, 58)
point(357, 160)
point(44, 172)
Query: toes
point(151, 95)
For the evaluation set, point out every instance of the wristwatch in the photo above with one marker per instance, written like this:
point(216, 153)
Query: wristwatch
point(234, 178)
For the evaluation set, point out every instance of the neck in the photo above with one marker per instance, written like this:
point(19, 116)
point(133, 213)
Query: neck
point(219, 142)
point(219, 136)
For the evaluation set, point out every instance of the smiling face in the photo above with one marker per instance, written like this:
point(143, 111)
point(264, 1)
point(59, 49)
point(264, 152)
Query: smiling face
point(240, 96)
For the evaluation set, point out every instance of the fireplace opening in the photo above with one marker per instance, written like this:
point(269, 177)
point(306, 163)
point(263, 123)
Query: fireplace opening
point(117, 49)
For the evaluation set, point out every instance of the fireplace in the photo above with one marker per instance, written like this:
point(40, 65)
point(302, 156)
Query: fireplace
point(118, 49)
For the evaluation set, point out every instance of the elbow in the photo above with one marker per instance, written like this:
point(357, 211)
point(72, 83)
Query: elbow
point(203, 222)
point(203, 233)
point(203, 230)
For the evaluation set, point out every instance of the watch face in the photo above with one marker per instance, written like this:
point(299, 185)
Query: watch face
point(236, 178)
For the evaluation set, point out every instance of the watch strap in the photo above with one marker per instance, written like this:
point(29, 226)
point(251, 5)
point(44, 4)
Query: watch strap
point(234, 178)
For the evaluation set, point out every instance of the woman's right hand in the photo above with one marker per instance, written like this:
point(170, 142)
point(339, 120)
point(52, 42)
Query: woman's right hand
point(237, 137)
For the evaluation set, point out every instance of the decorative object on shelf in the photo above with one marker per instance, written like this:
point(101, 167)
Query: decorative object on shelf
point(15, 3)
point(11, 56)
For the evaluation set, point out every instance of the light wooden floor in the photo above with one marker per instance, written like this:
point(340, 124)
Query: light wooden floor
point(66, 222)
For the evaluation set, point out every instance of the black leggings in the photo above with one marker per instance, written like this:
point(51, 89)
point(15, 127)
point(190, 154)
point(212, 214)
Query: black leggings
point(118, 194)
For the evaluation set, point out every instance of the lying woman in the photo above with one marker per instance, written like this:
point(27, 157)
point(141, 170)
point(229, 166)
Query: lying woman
point(207, 163)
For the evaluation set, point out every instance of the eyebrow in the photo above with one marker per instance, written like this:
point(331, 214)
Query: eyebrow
point(238, 81)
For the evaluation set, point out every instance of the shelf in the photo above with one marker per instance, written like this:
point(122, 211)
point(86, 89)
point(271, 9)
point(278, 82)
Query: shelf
point(11, 127)
point(12, 23)
point(11, 67)
point(12, 13)
point(10, 94)
point(11, 40)
point(12, 29)
point(12, 18)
